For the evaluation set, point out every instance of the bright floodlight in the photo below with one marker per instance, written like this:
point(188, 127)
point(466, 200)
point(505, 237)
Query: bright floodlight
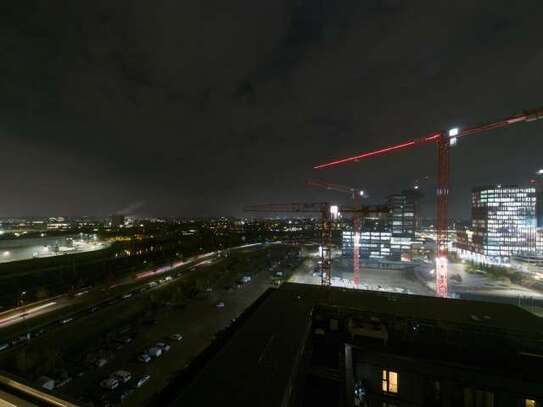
point(453, 132)
point(361, 193)
point(540, 172)
point(334, 210)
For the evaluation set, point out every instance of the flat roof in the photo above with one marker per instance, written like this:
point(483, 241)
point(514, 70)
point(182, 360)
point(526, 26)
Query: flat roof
point(255, 366)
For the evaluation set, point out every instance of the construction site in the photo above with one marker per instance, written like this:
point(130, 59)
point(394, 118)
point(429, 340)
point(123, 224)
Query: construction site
point(392, 236)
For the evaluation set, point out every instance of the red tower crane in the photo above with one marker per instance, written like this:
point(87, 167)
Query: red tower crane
point(328, 215)
point(356, 194)
point(444, 140)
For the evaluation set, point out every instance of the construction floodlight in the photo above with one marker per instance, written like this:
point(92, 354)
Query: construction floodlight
point(454, 132)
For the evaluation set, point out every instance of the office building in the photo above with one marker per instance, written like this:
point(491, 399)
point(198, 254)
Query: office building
point(539, 208)
point(404, 221)
point(503, 221)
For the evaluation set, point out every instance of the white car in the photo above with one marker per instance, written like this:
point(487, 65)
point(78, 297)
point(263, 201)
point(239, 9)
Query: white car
point(122, 375)
point(142, 380)
point(154, 351)
point(176, 337)
point(110, 383)
point(164, 346)
point(144, 357)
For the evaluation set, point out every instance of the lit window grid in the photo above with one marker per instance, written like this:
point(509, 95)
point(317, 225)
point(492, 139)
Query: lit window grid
point(509, 225)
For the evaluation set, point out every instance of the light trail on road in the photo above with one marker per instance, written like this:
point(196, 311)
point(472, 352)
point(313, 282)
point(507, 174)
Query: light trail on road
point(23, 314)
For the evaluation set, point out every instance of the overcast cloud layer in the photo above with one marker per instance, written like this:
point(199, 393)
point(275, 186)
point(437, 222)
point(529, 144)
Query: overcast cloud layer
point(198, 107)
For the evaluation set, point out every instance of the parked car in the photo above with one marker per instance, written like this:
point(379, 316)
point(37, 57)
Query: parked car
point(122, 375)
point(110, 383)
point(142, 380)
point(154, 351)
point(124, 339)
point(144, 357)
point(21, 339)
point(100, 362)
point(46, 383)
point(164, 346)
point(39, 332)
point(176, 337)
point(63, 382)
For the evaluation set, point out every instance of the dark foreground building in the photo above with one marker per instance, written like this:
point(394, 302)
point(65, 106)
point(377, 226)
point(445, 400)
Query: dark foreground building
point(303, 345)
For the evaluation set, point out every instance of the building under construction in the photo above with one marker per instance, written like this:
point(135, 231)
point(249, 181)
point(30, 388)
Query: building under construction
point(390, 235)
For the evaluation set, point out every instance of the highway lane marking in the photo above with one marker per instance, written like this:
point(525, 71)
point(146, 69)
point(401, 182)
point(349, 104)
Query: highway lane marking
point(265, 348)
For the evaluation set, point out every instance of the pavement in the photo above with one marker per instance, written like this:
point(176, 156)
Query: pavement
point(418, 279)
point(373, 279)
point(198, 323)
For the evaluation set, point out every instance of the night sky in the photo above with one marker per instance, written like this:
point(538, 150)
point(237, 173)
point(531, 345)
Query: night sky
point(197, 107)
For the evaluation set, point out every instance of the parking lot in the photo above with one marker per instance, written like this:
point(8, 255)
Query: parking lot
point(112, 338)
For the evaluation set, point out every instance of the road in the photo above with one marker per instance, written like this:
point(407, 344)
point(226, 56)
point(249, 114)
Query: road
point(28, 312)
point(94, 331)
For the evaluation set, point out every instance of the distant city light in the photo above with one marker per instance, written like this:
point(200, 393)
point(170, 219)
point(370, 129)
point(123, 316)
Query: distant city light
point(416, 187)
point(361, 193)
point(1, 232)
point(540, 172)
point(6, 253)
point(334, 210)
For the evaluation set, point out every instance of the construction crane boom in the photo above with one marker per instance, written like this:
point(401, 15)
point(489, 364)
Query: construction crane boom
point(356, 194)
point(434, 137)
point(444, 140)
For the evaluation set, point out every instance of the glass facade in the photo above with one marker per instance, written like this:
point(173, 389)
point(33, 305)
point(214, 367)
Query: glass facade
point(504, 220)
point(403, 222)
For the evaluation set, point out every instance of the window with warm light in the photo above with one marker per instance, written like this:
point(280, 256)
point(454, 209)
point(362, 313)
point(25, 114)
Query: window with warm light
point(390, 381)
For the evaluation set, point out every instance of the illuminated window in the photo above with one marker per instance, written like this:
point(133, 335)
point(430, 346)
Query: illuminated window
point(530, 403)
point(390, 381)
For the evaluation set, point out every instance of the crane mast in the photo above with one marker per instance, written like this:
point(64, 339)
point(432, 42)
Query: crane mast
point(444, 140)
point(356, 194)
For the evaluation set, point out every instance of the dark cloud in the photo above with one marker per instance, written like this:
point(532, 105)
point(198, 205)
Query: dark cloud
point(198, 107)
